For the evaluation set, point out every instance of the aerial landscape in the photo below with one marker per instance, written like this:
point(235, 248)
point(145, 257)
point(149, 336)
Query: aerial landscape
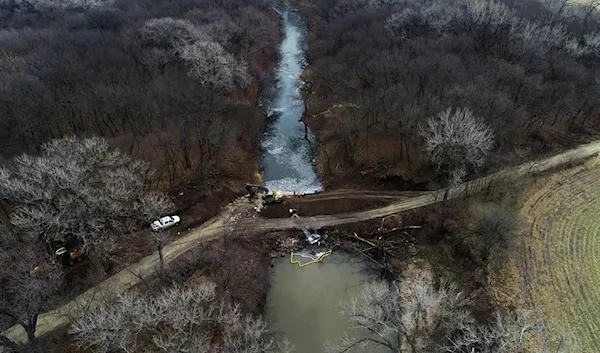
point(309, 176)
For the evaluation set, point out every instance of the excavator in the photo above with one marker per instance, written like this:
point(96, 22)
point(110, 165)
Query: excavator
point(69, 257)
point(268, 197)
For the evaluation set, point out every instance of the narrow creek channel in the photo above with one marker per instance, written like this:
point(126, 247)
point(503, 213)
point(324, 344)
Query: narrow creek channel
point(288, 151)
point(302, 303)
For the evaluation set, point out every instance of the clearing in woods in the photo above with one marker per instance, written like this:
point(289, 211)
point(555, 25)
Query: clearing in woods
point(232, 222)
point(561, 253)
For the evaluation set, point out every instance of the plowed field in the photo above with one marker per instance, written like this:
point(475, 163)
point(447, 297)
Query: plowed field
point(562, 251)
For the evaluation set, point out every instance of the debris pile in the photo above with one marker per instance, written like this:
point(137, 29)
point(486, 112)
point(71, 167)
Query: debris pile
point(312, 237)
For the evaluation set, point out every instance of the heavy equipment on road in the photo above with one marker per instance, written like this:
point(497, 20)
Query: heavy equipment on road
point(268, 196)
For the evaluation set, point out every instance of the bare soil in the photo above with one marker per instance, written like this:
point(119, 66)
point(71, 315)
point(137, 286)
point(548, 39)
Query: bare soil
point(335, 202)
point(321, 207)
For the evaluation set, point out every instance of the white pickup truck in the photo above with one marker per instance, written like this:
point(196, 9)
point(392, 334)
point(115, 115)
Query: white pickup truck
point(164, 223)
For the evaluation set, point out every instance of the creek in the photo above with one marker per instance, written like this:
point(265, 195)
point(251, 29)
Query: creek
point(288, 146)
point(302, 302)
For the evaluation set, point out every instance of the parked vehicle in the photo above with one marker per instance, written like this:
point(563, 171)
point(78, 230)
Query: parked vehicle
point(164, 223)
point(272, 197)
point(268, 196)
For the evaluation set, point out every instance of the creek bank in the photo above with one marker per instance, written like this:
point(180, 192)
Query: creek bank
point(331, 158)
point(322, 207)
point(287, 146)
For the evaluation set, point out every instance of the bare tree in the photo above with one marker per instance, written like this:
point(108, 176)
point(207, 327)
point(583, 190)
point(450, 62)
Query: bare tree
point(502, 335)
point(445, 15)
point(164, 40)
point(168, 32)
point(161, 40)
point(485, 12)
point(408, 318)
point(487, 21)
point(214, 67)
point(29, 277)
point(439, 15)
point(571, 9)
point(47, 5)
point(508, 334)
point(177, 320)
point(456, 139)
point(80, 191)
point(421, 316)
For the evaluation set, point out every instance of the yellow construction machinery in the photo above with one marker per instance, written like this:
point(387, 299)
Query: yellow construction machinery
point(69, 256)
point(267, 196)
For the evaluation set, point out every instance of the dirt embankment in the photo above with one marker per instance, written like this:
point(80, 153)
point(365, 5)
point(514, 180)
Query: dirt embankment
point(375, 155)
point(336, 202)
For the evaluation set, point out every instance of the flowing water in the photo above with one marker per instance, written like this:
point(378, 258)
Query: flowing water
point(302, 304)
point(288, 150)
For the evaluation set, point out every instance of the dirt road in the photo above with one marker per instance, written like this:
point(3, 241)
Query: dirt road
point(342, 194)
point(220, 224)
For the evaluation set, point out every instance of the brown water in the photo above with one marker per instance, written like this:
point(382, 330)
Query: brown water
point(302, 304)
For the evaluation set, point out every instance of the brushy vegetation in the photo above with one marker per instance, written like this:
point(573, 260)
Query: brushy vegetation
point(176, 84)
point(380, 69)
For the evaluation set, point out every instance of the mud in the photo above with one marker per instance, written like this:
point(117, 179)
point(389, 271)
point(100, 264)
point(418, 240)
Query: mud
point(321, 207)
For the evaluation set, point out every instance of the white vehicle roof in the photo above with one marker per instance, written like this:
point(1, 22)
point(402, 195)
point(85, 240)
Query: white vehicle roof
point(165, 221)
point(169, 219)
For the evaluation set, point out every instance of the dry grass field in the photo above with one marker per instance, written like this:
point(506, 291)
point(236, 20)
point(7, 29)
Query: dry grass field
point(561, 253)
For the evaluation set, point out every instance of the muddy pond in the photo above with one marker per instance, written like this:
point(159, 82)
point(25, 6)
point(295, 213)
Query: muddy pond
point(303, 302)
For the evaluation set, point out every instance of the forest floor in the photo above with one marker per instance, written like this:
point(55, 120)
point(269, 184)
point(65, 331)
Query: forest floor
point(238, 219)
point(561, 251)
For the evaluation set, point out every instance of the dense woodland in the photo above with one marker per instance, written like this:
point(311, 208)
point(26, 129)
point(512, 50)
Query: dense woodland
point(379, 69)
point(104, 105)
point(173, 82)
